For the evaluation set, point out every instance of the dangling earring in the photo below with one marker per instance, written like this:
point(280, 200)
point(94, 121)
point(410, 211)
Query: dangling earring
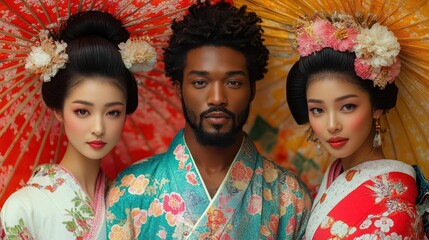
point(313, 138)
point(319, 151)
point(377, 138)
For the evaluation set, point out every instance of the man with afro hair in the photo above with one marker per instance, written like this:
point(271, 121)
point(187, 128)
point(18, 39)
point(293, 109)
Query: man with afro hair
point(212, 183)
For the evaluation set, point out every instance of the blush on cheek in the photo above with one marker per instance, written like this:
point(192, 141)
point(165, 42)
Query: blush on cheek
point(116, 128)
point(317, 127)
point(359, 121)
point(72, 124)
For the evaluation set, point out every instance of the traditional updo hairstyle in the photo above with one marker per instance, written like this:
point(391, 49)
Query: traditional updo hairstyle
point(92, 46)
point(330, 61)
point(220, 25)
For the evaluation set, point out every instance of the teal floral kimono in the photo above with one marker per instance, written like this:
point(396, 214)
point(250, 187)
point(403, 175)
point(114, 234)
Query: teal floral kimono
point(164, 197)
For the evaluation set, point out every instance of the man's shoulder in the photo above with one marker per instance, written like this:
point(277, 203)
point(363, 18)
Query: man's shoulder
point(285, 176)
point(270, 164)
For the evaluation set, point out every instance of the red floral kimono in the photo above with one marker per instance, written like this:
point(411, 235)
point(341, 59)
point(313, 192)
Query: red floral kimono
point(373, 200)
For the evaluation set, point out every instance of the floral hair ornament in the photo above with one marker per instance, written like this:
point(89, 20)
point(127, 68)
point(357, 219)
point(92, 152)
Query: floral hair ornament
point(138, 55)
point(376, 47)
point(47, 57)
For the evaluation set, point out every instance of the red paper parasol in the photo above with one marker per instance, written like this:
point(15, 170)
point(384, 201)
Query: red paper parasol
point(29, 133)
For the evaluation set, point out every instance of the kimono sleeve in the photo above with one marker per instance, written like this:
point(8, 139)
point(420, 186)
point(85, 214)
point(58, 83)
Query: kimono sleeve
point(296, 200)
point(384, 225)
point(15, 216)
point(119, 221)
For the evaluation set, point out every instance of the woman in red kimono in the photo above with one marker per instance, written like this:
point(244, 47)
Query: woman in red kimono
point(341, 85)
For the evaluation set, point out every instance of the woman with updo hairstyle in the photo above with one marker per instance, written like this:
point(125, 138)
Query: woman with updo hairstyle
point(91, 96)
point(342, 93)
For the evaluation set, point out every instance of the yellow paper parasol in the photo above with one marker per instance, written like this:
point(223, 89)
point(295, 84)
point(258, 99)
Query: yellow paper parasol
point(407, 133)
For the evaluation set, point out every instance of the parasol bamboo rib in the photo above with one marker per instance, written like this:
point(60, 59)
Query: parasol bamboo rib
point(43, 142)
point(25, 147)
point(141, 135)
point(18, 135)
point(13, 101)
point(16, 83)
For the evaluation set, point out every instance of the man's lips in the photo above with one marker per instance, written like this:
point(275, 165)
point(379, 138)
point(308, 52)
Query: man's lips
point(217, 117)
point(217, 114)
point(337, 142)
point(96, 144)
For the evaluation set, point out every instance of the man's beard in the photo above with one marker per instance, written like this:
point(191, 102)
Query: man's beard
point(216, 139)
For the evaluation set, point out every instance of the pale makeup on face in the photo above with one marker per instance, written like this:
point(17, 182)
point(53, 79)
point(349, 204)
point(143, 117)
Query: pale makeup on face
point(341, 116)
point(93, 117)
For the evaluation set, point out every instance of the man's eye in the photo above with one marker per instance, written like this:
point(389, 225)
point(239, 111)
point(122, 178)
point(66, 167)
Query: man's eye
point(234, 83)
point(199, 84)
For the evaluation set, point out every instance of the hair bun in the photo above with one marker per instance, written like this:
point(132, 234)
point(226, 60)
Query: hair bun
point(330, 60)
point(94, 23)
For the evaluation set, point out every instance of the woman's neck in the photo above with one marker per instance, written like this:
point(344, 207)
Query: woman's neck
point(365, 153)
point(84, 170)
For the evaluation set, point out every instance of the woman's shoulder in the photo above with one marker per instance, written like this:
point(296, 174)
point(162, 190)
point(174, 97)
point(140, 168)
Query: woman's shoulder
point(24, 202)
point(385, 166)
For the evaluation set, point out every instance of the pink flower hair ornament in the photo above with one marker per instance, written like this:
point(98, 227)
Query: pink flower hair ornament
point(376, 47)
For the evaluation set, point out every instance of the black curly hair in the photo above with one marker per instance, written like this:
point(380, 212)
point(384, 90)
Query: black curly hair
point(222, 25)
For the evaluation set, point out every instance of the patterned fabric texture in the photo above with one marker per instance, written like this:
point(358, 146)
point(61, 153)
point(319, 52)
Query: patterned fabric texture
point(164, 196)
point(53, 204)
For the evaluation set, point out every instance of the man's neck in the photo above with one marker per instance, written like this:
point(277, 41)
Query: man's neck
point(212, 158)
point(213, 162)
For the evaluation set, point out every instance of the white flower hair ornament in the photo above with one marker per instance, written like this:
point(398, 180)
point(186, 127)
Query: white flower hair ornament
point(138, 55)
point(47, 57)
point(376, 47)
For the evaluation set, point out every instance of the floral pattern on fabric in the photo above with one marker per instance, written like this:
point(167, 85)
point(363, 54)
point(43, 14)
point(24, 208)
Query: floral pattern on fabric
point(374, 200)
point(63, 210)
point(175, 203)
point(18, 231)
point(81, 215)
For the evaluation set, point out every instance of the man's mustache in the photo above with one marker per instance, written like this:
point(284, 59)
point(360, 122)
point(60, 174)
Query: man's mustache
point(217, 109)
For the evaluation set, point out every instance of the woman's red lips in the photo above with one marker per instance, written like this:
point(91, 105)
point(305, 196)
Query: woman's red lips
point(337, 142)
point(97, 144)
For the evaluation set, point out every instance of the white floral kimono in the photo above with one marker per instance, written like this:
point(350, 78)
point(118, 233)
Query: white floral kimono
point(54, 206)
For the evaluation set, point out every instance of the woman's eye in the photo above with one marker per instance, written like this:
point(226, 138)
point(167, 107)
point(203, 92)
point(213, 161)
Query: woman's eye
point(349, 107)
point(316, 110)
point(81, 112)
point(114, 113)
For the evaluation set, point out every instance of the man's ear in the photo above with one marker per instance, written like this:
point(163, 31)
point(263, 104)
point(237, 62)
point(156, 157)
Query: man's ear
point(377, 113)
point(178, 87)
point(59, 115)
